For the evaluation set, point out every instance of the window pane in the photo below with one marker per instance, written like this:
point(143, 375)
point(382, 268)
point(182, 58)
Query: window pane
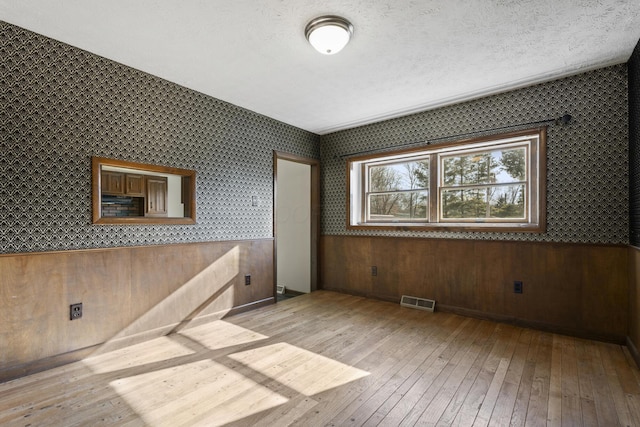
point(465, 203)
point(487, 202)
point(488, 167)
point(513, 165)
point(403, 206)
point(507, 201)
point(399, 176)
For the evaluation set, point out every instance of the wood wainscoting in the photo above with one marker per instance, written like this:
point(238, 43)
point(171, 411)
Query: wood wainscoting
point(129, 294)
point(575, 289)
point(633, 338)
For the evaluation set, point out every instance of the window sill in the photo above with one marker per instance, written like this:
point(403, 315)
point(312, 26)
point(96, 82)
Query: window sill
point(457, 227)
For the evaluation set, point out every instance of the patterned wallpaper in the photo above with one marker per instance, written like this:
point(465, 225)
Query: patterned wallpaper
point(634, 147)
point(60, 105)
point(587, 165)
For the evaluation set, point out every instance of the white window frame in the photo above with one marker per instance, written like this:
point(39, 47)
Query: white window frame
point(533, 220)
point(368, 192)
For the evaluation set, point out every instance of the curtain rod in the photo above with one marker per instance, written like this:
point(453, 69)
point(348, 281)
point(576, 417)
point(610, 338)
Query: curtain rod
point(560, 120)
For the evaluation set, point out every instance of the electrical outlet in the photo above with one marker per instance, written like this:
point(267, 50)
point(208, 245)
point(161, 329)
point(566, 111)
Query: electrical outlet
point(517, 287)
point(75, 311)
point(247, 279)
point(374, 270)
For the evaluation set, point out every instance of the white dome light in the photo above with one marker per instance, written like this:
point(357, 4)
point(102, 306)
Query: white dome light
point(329, 34)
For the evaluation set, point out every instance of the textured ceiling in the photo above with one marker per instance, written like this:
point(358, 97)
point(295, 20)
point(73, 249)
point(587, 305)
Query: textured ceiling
point(405, 56)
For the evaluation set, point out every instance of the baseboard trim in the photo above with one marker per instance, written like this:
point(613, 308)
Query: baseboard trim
point(541, 326)
point(250, 306)
point(362, 294)
point(29, 368)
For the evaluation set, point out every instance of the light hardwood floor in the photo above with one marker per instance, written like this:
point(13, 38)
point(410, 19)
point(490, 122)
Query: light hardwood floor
point(333, 359)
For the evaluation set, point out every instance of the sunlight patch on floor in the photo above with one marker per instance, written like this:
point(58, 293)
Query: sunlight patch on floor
point(302, 370)
point(153, 351)
point(220, 395)
point(220, 334)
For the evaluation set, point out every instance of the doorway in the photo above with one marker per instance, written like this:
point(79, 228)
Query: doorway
point(296, 224)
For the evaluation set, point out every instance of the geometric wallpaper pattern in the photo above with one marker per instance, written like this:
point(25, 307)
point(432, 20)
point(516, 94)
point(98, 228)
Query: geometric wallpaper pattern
point(634, 147)
point(60, 105)
point(587, 160)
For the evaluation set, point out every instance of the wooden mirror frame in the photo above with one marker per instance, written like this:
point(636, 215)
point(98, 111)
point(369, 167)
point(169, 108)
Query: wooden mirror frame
point(189, 187)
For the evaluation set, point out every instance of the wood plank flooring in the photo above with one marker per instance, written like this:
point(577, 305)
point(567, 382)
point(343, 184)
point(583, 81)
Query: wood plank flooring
point(329, 359)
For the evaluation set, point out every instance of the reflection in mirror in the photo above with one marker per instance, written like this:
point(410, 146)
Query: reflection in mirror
point(136, 193)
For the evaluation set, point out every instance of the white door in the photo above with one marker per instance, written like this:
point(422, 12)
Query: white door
point(293, 225)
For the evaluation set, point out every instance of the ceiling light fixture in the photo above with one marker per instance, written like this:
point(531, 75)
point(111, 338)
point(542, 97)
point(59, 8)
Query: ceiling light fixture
point(329, 34)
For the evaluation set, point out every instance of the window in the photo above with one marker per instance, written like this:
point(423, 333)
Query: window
point(492, 184)
point(398, 190)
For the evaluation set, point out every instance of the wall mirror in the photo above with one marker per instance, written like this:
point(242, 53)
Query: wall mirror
point(135, 193)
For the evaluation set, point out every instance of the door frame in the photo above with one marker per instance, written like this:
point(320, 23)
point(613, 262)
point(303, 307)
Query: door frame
point(314, 220)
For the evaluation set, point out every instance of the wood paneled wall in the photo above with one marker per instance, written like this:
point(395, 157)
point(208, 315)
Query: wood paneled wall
point(576, 289)
point(128, 294)
point(633, 338)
